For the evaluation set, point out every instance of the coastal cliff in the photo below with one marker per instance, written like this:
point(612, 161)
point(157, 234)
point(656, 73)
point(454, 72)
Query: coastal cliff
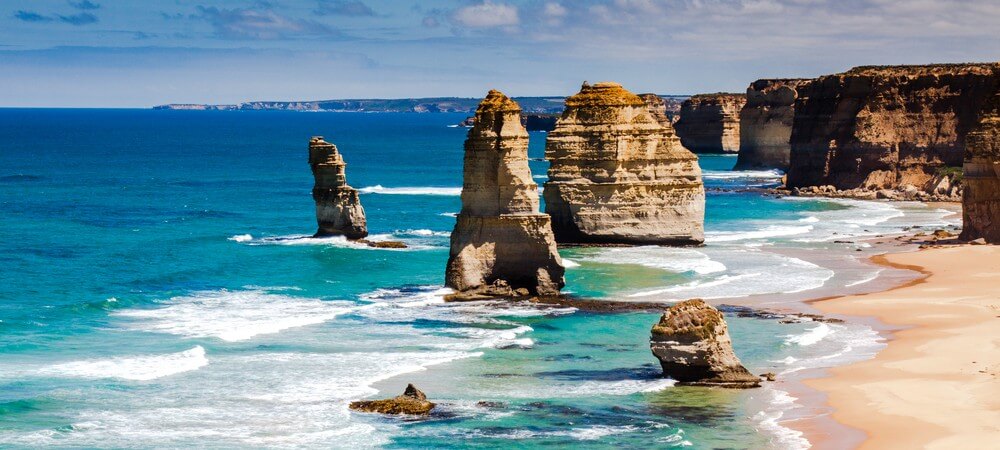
point(888, 128)
point(981, 199)
point(710, 123)
point(766, 124)
point(501, 244)
point(620, 176)
point(338, 207)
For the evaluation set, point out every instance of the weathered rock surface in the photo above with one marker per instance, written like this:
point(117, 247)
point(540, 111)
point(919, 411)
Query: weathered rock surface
point(766, 124)
point(710, 123)
point(620, 176)
point(981, 199)
point(338, 207)
point(501, 244)
point(692, 342)
point(657, 108)
point(531, 122)
point(412, 402)
point(886, 128)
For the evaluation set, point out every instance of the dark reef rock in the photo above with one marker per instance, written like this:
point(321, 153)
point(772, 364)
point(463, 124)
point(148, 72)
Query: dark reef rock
point(412, 402)
point(338, 207)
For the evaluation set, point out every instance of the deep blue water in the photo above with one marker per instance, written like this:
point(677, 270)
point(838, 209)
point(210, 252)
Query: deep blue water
point(157, 289)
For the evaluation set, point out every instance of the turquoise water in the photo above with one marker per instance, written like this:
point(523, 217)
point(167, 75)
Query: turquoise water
point(159, 289)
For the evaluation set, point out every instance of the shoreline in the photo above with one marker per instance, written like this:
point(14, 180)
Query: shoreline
point(910, 394)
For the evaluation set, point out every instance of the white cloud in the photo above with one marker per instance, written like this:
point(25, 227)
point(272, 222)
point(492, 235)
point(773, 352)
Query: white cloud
point(487, 15)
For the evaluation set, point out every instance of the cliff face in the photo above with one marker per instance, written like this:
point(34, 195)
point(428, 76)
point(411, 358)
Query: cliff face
point(875, 128)
point(710, 123)
point(981, 199)
point(501, 244)
point(618, 175)
point(338, 207)
point(766, 124)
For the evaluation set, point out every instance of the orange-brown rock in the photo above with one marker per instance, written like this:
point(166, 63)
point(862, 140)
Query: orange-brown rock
point(888, 128)
point(338, 207)
point(766, 124)
point(619, 175)
point(501, 244)
point(710, 123)
point(412, 402)
point(981, 199)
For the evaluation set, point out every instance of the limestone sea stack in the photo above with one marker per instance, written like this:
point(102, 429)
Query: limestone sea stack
point(692, 342)
point(981, 198)
point(766, 124)
point(620, 176)
point(710, 123)
point(501, 244)
point(899, 128)
point(338, 207)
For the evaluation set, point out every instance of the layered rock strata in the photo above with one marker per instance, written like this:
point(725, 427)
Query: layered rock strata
point(898, 128)
point(412, 402)
point(766, 124)
point(338, 207)
point(620, 176)
point(692, 342)
point(981, 199)
point(710, 123)
point(501, 244)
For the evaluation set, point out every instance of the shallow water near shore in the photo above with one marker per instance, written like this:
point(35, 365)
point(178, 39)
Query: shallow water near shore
point(160, 289)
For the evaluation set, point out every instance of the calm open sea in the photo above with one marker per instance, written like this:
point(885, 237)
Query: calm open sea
point(158, 289)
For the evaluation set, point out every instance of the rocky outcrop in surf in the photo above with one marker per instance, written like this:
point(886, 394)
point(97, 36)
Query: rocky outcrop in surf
point(412, 402)
point(501, 244)
point(766, 124)
point(338, 207)
point(981, 199)
point(692, 342)
point(710, 123)
point(888, 128)
point(620, 176)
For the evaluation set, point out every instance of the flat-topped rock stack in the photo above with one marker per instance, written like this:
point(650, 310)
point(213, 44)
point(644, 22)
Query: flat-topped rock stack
point(338, 207)
point(620, 176)
point(501, 244)
point(981, 199)
point(766, 124)
point(710, 123)
point(888, 128)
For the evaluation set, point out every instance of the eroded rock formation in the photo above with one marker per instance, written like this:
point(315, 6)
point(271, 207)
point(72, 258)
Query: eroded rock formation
point(618, 175)
point(338, 207)
point(766, 124)
point(692, 342)
point(899, 128)
point(981, 199)
point(710, 123)
point(501, 244)
point(413, 402)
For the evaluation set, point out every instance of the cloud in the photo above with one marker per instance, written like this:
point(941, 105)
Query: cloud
point(353, 8)
point(79, 19)
point(85, 5)
point(261, 22)
point(31, 16)
point(486, 15)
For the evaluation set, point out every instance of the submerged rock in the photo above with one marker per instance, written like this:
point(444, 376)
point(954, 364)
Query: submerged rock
point(692, 342)
point(766, 124)
point(981, 199)
point(501, 244)
point(338, 207)
point(412, 402)
point(710, 123)
point(619, 174)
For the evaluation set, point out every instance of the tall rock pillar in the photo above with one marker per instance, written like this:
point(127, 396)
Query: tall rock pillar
point(338, 207)
point(981, 198)
point(501, 244)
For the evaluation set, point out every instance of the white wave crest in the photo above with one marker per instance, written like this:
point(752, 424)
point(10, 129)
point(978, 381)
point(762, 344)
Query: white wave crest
point(678, 260)
point(734, 174)
point(415, 190)
point(139, 368)
point(811, 336)
point(241, 238)
point(766, 232)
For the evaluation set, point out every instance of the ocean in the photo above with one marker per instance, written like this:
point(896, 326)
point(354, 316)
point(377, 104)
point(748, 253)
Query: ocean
point(159, 289)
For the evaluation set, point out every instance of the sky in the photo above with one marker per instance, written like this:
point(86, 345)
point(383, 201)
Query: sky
point(137, 53)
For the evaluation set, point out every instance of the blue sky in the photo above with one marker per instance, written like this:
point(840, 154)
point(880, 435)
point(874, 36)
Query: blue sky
point(119, 53)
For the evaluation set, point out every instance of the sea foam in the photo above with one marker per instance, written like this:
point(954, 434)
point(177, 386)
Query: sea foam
point(415, 190)
point(139, 368)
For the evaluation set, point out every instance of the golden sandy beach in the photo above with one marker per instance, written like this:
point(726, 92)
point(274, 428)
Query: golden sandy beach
point(936, 384)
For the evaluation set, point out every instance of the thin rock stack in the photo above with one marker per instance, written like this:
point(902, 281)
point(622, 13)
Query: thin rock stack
point(619, 175)
point(338, 207)
point(501, 245)
point(981, 199)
